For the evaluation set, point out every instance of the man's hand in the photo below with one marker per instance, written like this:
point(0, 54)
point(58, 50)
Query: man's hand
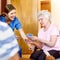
point(18, 37)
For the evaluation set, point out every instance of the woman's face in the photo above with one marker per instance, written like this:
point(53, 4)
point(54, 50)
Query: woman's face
point(12, 14)
point(43, 21)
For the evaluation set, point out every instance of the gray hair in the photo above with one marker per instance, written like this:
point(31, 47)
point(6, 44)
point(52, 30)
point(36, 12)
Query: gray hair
point(45, 13)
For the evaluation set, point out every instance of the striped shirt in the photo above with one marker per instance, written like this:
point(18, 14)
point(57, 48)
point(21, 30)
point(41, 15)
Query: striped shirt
point(8, 43)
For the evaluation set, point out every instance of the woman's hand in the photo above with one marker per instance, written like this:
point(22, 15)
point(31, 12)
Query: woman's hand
point(30, 44)
point(27, 41)
point(31, 40)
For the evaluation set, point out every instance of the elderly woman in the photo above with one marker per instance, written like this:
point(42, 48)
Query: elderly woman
point(48, 35)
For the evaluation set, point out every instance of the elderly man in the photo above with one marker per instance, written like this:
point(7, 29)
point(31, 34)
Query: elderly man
point(8, 43)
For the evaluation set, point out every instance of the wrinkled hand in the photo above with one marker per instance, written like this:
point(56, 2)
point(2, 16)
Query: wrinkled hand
point(30, 44)
point(27, 41)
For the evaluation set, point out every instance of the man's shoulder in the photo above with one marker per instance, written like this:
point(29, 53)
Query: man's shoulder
point(3, 24)
point(1, 16)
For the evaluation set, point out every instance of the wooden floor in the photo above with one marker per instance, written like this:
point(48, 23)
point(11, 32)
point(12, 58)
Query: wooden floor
point(25, 57)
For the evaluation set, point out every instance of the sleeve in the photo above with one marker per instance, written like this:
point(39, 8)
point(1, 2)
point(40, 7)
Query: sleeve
point(2, 18)
point(18, 24)
point(55, 30)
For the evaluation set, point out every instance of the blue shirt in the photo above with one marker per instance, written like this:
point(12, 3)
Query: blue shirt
point(13, 24)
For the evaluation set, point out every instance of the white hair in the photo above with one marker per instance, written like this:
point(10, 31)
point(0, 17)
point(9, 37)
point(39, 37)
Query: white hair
point(45, 13)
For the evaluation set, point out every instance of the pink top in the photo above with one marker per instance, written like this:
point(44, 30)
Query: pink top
point(45, 35)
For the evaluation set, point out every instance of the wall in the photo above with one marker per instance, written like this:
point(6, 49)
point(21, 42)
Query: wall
point(55, 11)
